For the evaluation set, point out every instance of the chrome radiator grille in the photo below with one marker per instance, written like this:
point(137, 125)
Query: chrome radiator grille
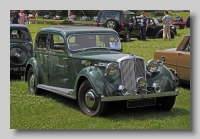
point(130, 70)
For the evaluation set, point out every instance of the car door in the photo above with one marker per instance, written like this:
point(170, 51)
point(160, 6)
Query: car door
point(136, 26)
point(41, 55)
point(183, 62)
point(58, 62)
point(152, 29)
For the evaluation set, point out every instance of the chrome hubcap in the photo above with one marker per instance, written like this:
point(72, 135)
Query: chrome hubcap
point(90, 98)
point(110, 24)
point(32, 82)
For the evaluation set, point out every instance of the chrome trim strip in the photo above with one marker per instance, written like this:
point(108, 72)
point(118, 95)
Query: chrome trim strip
point(140, 96)
point(176, 65)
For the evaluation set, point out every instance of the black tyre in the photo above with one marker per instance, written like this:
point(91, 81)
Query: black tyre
point(32, 82)
point(111, 23)
point(89, 102)
point(139, 37)
point(127, 37)
point(165, 103)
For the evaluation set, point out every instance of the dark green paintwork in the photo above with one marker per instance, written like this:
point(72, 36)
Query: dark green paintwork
point(72, 72)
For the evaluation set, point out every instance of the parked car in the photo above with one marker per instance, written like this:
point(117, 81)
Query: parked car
point(177, 60)
point(86, 63)
point(155, 29)
point(58, 17)
point(21, 48)
point(31, 16)
point(47, 17)
point(121, 21)
point(85, 18)
point(179, 18)
point(179, 24)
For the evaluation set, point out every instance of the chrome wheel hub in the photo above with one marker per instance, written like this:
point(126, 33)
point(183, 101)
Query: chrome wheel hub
point(111, 24)
point(32, 82)
point(90, 98)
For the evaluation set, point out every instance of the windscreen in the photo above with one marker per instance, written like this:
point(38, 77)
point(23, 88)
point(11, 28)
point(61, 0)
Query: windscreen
point(91, 41)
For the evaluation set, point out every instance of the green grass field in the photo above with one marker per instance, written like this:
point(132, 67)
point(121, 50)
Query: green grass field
point(51, 111)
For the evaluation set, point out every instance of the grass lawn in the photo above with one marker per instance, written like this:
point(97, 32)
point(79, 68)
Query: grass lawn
point(51, 111)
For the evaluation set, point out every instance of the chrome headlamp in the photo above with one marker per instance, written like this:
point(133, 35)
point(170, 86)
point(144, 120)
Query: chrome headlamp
point(141, 82)
point(112, 69)
point(152, 66)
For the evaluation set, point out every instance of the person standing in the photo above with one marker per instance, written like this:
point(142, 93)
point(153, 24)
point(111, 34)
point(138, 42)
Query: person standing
point(15, 17)
point(21, 18)
point(167, 19)
point(144, 26)
point(188, 22)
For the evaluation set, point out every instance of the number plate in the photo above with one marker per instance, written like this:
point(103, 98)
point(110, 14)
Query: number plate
point(140, 103)
point(17, 69)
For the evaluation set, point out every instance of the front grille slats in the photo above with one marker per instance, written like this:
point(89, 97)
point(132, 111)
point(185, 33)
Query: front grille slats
point(131, 69)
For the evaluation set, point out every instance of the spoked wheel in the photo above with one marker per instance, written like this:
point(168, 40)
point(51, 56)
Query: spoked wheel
point(89, 102)
point(32, 82)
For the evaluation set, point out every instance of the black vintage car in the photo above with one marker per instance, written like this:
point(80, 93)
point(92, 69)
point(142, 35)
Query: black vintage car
point(155, 29)
point(21, 48)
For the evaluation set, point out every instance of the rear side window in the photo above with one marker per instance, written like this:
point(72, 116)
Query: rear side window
point(105, 15)
point(19, 34)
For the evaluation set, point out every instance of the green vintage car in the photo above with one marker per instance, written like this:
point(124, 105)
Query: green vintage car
point(86, 63)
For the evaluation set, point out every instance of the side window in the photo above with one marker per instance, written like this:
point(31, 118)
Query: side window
point(42, 41)
point(150, 21)
point(57, 43)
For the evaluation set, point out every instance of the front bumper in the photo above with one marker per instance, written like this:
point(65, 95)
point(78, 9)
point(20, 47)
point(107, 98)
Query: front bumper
point(140, 96)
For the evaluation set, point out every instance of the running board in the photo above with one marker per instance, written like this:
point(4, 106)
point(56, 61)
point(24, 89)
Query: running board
point(58, 90)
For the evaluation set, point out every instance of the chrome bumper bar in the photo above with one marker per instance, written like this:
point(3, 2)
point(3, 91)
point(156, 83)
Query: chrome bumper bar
point(140, 96)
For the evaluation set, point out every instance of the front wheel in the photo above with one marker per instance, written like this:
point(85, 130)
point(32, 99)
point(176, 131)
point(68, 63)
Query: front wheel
point(165, 103)
point(32, 82)
point(89, 102)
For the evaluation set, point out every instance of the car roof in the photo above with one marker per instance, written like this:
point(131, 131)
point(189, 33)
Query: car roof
point(77, 29)
point(18, 26)
point(68, 28)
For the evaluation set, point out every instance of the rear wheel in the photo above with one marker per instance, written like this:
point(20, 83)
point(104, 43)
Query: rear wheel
point(89, 102)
